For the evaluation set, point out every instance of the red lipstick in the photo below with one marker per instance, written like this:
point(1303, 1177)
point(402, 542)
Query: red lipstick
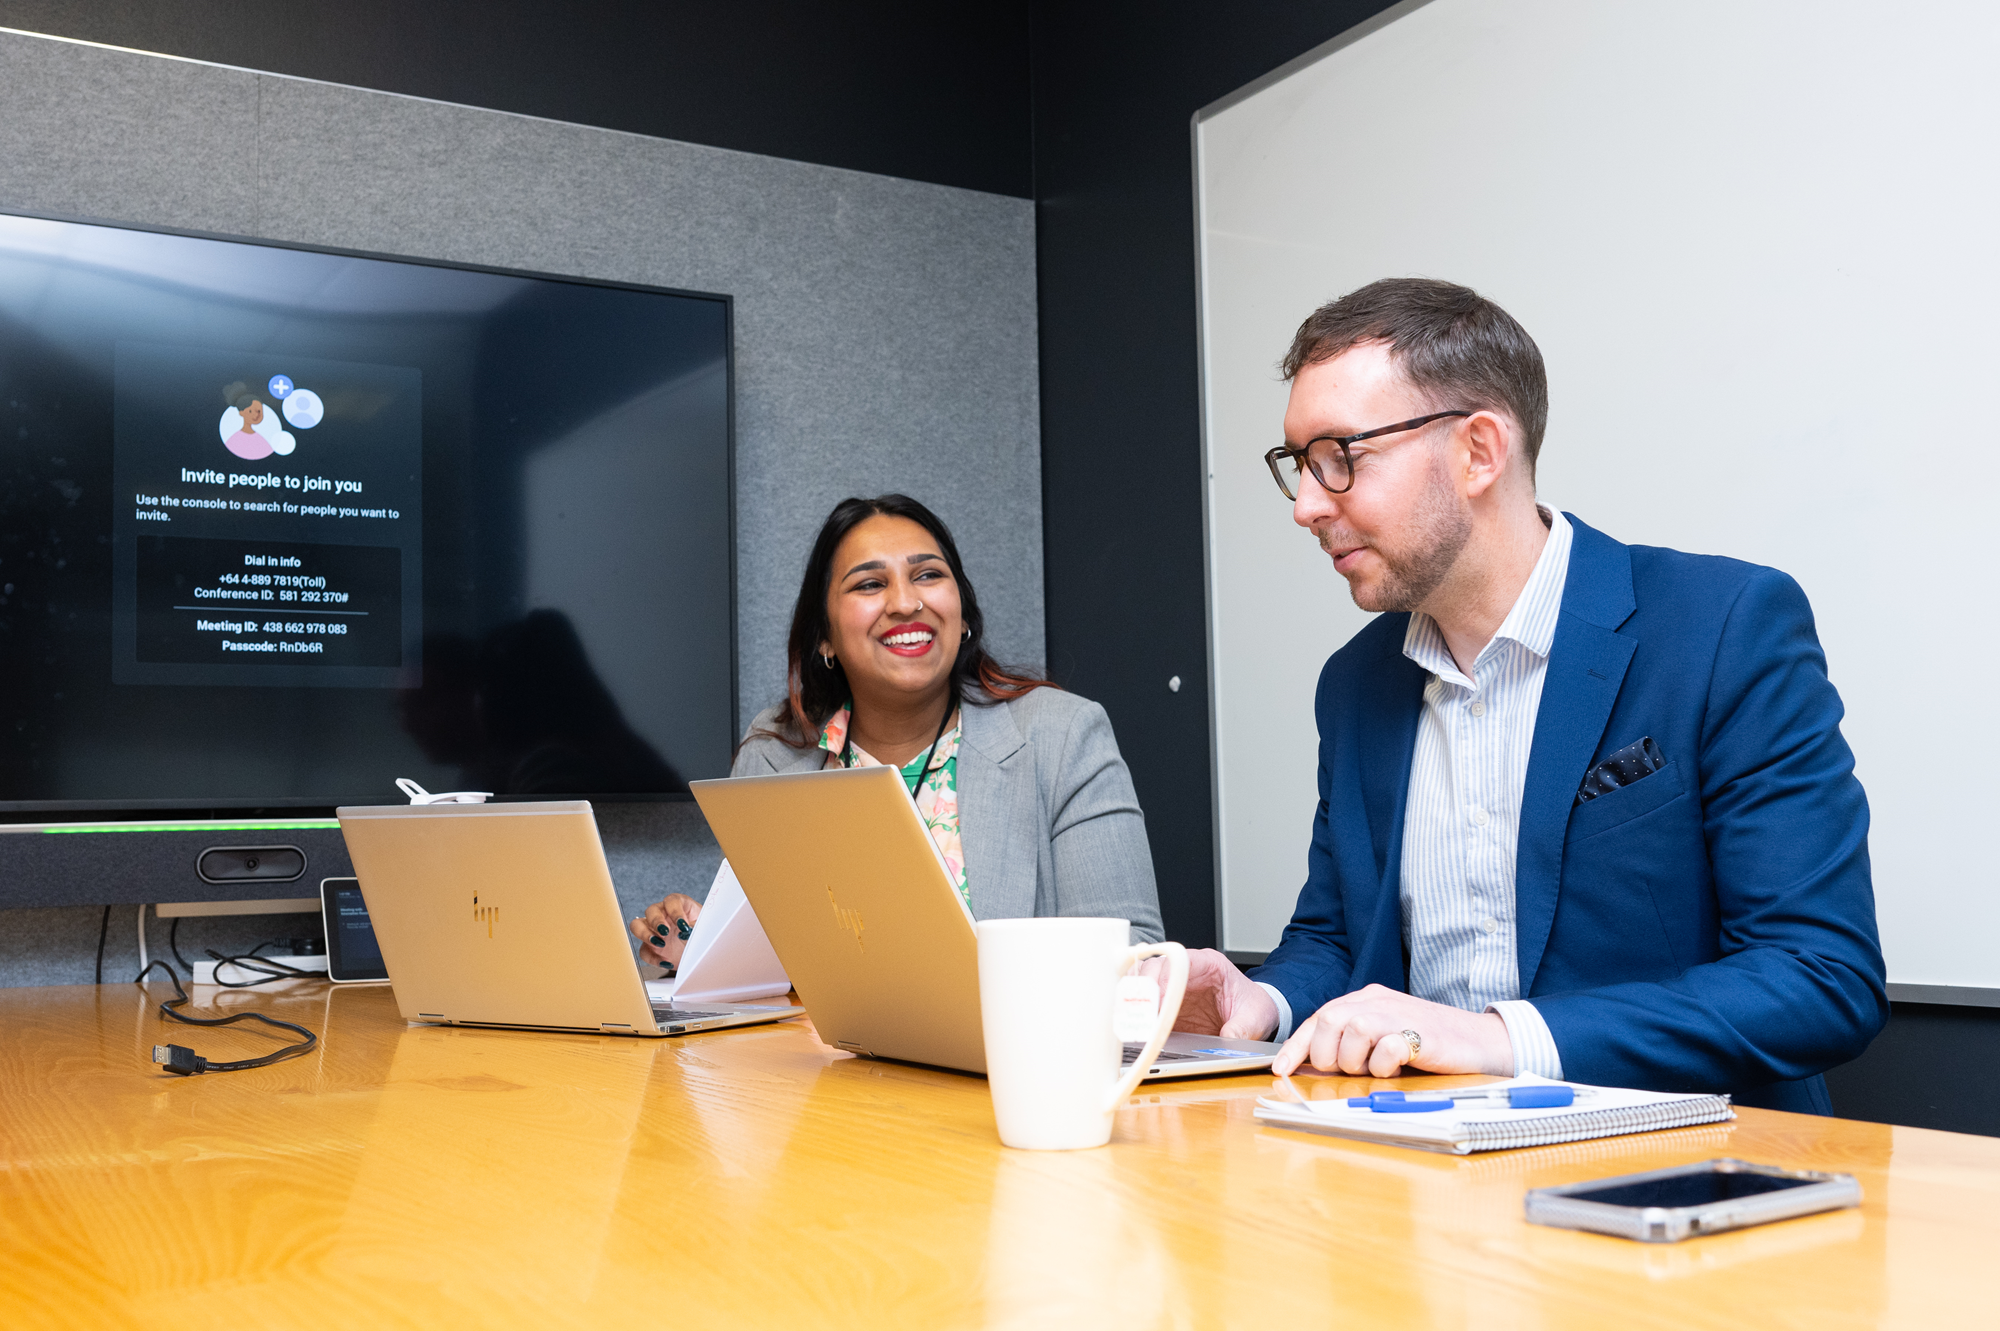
point(909, 639)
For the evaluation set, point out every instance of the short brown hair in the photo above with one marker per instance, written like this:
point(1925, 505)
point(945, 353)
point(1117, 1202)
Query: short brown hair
point(1458, 348)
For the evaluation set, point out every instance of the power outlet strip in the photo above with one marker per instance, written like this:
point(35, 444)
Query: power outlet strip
point(204, 971)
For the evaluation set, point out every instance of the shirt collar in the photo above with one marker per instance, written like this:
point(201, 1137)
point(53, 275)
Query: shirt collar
point(833, 735)
point(833, 738)
point(1531, 622)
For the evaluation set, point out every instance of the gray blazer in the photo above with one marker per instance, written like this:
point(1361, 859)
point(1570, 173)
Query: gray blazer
point(1045, 806)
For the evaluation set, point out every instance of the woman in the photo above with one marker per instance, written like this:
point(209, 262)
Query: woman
point(254, 436)
point(1019, 782)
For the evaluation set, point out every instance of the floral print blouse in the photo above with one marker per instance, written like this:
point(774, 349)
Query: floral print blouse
point(937, 794)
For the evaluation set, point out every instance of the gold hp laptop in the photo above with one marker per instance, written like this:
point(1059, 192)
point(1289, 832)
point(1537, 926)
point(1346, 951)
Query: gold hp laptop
point(862, 912)
point(504, 915)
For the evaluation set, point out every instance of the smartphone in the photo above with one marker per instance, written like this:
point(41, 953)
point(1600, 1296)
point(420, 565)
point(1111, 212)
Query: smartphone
point(1668, 1205)
point(352, 954)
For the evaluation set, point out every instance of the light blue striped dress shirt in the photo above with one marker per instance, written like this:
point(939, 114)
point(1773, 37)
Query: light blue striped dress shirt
point(1462, 812)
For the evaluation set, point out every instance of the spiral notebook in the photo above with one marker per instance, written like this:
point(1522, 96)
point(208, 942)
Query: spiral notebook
point(1599, 1111)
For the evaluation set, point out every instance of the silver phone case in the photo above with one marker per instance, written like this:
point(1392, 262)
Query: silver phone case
point(1661, 1224)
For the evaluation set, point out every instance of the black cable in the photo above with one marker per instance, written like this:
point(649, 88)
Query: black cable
point(186, 1062)
point(103, 932)
point(930, 753)
point(269, 968)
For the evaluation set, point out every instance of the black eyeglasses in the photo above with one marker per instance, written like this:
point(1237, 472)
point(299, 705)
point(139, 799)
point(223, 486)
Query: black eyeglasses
point(1332, 465)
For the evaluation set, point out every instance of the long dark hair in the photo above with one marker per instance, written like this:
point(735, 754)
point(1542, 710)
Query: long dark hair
point(815, 690)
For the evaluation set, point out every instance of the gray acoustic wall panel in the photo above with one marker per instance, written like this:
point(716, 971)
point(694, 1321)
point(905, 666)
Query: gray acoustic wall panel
point(885, 330)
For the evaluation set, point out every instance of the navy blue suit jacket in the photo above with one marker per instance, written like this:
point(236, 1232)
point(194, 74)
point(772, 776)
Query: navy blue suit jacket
point(1710, 926)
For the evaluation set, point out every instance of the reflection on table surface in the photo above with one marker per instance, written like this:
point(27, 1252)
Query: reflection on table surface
point(415, 1176)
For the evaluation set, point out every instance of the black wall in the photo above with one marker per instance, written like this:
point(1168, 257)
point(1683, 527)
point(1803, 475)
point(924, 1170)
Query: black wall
point(1116, 86)
point(931, 92)
point(1933, 1067)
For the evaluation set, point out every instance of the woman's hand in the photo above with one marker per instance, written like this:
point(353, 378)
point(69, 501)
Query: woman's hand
point(663, 932)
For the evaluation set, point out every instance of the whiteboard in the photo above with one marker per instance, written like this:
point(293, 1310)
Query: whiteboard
point(1759, 246)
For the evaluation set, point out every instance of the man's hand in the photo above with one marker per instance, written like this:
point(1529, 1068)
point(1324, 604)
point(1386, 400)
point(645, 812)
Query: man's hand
point(1362, 1033)
point(1220, 999)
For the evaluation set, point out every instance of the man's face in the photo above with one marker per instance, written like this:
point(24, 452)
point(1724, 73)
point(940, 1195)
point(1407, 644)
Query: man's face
point(1397, 531)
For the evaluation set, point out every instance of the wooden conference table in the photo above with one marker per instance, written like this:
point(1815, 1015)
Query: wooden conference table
point(410, 1176)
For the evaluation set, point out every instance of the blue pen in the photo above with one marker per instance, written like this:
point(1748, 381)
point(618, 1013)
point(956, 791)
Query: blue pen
point(1513, 1097)
point(1395, 1102)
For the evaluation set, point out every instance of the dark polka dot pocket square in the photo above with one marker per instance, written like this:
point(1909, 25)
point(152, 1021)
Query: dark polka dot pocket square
point(1622, 768)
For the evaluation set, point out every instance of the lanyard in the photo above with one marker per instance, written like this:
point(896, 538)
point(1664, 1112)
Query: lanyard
point(917, 781)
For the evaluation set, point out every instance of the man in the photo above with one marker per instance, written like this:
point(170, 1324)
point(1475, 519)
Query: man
point(1585, 809)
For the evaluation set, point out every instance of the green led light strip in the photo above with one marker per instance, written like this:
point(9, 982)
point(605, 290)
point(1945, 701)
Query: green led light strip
point(313, 823)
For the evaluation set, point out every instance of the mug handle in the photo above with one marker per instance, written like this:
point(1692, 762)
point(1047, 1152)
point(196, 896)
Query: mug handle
point(1170, 1008)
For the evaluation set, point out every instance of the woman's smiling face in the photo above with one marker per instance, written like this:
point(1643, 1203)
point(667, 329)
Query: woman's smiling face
point(892, 610)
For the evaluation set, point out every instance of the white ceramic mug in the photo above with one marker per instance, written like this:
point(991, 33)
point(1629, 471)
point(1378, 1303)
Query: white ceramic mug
point(1048, 994)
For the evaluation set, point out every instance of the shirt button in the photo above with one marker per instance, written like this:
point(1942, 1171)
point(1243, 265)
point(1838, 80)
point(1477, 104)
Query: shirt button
point(1477, 708)
point(1479, 816)
point(1490, 925)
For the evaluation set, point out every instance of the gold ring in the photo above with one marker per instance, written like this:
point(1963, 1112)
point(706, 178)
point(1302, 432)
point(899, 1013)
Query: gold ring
point(1415, 1042)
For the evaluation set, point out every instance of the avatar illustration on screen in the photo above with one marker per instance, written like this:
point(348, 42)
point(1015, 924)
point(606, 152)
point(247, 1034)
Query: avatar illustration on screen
point(249, 430)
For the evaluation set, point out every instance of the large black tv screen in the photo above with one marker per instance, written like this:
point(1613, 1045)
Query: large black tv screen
point(279, 526)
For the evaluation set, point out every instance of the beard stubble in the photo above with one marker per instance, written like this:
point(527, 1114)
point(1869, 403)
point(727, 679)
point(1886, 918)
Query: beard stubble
point(1432, 539)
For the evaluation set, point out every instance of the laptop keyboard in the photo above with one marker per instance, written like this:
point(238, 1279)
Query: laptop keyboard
point(689, 1014)
point(1134, 1049)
